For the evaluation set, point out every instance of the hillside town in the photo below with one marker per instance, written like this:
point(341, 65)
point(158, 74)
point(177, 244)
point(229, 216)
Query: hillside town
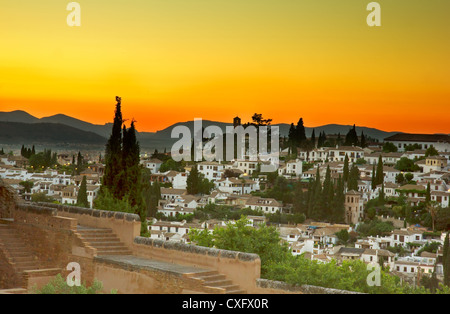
point(409, 249)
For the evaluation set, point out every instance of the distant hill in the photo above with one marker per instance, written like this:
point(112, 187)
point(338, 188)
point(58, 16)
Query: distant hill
point(163, 137)
point(46, 133)
point(17, 116)
point(160, 139)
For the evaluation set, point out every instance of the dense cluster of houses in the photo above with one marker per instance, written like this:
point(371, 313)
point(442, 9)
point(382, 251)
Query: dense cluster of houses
point(235, 181)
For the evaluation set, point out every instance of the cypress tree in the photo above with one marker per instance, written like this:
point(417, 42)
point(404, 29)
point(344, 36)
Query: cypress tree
point(428, 195)
point(327, 194)
point(353, 178)
point(82, 199)
point(374, 184)
point(299, 206)
point(363, 140)
point(317, 197)
point(300, 132)
point(319, 140)
point(352, 137)
point(338, 202)
point(193, 181)
point(382, 195)
point(131, 168)
point(313, 138)
point(291, 135)
point(113, 154)
point(379, 178)
point(346, 169)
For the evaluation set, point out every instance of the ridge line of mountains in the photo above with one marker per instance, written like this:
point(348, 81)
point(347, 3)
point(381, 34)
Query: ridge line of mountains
point(19, 127)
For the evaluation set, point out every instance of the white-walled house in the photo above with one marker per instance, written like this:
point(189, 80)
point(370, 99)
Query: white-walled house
point(237, 186)
point(211, 170)
point(404, 236)
point(338, 154)
point(439, 141)
point(153, 164)
point(267, 205)
point(291, 168)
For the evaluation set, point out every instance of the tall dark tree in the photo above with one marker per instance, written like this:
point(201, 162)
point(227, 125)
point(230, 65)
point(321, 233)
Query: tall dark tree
point(374, 184)
point(428, 194)
point(113, 154)
point(130, 161)
point(300, 132)
point(313, 138)
point(317, 210)
point(351, 139)
point(379, 176)
point(82, 199)
point(363, 140)
point(193, 181)
point(346, 169)
point(353, 178)
point(338, 203)
point(327, 195)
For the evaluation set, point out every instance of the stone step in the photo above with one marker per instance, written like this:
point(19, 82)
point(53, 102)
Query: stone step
point(28, 258)
point(235, 292)
point(218, 283)
point(101, 238)
point(209, 278)
point(106, 244)
point(111, 247)
point(13, 250)
point(230, 287)
point(10, 241)
point(20, 254)
point(105, 253)
point(94, 231)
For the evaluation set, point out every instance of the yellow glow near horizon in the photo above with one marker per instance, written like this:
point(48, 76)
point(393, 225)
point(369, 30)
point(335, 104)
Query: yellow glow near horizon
point(174, 60)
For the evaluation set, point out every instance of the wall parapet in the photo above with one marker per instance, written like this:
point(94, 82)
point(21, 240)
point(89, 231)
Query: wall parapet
point(283, 287)
point(36, 209)
point(194, 249)
point(92, 212)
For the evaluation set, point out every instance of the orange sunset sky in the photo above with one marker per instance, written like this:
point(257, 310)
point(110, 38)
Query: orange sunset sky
point(176, 60)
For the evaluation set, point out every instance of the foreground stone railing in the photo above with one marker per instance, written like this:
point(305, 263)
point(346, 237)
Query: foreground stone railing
point(271, 286)
point(242, 268)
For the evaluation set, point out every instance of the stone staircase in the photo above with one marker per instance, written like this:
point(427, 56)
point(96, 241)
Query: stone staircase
point(103, 240)
point(17, 252)
point(216, 283)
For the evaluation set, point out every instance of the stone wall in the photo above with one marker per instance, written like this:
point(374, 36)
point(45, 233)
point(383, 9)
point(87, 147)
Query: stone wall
point(242, 268)
point(8, 200)
point(139, 280)
point(49, 236)
point(125, 225)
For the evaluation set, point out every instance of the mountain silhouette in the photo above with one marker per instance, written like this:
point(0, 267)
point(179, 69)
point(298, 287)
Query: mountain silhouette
point(39, 130)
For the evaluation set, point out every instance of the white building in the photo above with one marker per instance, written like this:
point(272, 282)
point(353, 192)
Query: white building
point(440, 141)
